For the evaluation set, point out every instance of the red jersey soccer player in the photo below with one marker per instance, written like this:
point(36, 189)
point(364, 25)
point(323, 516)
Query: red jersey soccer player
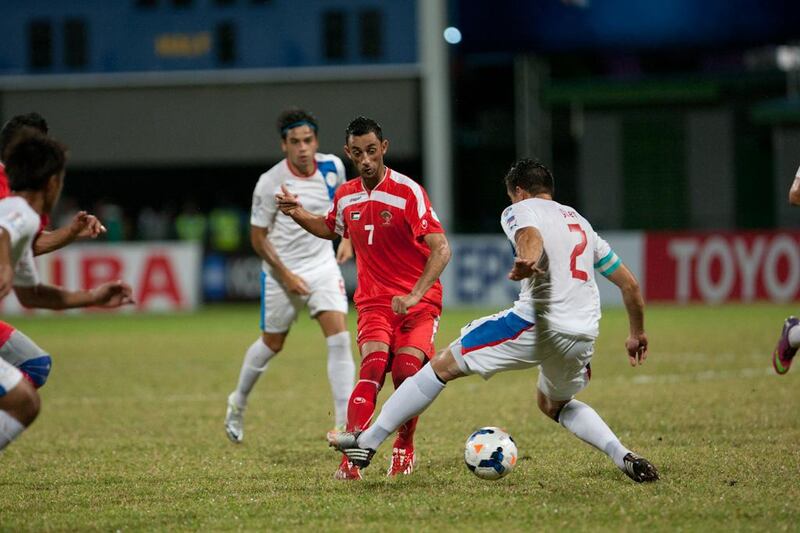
point(400, 250)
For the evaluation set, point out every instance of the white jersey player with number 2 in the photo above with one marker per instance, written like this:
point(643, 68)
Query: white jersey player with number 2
point(552, 325)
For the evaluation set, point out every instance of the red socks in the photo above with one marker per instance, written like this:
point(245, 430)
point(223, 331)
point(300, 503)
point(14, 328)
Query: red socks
point(404, 366)
point(370, 380)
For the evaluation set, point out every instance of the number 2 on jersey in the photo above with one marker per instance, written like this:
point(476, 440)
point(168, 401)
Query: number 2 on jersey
point(578, 250)
point(371, 229)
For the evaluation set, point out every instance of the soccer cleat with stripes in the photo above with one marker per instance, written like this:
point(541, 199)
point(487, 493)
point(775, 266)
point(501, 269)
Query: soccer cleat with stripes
point(402, 462)
point(347, 443)
point(784, 353)
point(639, 469)
point(234, 421)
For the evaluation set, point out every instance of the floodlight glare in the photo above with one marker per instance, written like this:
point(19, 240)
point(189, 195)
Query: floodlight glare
point(452, 35)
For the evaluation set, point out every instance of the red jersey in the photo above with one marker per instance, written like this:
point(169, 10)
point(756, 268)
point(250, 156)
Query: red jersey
point(5, 191)
point(5, 188)
point(387, 227)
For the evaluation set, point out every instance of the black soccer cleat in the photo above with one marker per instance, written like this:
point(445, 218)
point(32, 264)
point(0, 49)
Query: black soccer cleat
point(361, 457)
point(639, 469)
point(347, 443)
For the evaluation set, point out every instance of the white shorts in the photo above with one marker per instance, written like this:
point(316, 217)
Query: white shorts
point(279, 308)
point(505, 341)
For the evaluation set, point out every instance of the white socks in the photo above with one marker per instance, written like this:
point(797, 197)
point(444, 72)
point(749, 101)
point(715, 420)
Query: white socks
point(256, 360)
point(410, 399)
point(587, 425)
point(794, 337)
point(341, 372)
point(10, 428)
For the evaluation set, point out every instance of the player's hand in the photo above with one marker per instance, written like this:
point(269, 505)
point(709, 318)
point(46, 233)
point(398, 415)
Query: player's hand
point(295, 284)
point(636, 345)
point(287, 202)
point(401, 304)
point(524, 268)
point(86, 226)
point(113, 294)
point(6, 279)
point(345, 251)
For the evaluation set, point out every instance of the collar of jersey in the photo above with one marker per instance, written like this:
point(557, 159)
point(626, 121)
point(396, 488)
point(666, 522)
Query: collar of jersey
point(296, 175)
point(385, 177)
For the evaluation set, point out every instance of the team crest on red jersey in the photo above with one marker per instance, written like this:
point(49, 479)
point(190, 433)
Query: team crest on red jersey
point(386, 215)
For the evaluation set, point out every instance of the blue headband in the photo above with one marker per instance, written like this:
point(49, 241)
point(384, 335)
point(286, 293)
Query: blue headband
point(293, 125)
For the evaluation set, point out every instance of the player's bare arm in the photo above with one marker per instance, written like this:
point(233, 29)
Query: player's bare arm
point(344, 252)
point(290, 205)
point(530, 247)
point(794, 190)
point(437, 261)
point(6, 268)
point(636, 344)
point(82, 226)
point(264, 248)
point(109, 295)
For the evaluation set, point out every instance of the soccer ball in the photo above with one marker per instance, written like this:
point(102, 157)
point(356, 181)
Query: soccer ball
point(490, 453)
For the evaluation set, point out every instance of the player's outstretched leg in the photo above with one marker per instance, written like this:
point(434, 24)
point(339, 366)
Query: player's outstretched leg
point(785, 350)
point(404, 456)
point(256, 360)
point(586, 424)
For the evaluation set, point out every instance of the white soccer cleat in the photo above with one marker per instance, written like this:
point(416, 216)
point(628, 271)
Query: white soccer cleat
point(342, 440)
point(331, 434)
point(234, 421)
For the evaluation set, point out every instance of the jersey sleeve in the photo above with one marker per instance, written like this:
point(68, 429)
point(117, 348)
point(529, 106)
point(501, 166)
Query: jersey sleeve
point(264, 208)
point(20, 228)
point(515, 217)
point(336, 219)
point(421, 217)
point(341, 174)
point(605, 260)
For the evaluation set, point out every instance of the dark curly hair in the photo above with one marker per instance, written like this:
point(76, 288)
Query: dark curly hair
point(294, 117)
point(530, 175)
point(32, 161)
point(361, 126)
point(17, 124)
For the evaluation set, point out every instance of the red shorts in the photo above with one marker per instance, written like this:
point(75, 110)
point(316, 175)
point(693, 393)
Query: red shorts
point(415, 329)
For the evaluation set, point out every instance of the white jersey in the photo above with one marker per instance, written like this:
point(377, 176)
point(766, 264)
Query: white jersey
point(22, 223)
point(298, 249)
point(565, 299)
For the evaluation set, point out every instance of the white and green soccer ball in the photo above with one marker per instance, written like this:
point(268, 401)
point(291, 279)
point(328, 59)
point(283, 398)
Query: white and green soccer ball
point(490, 453)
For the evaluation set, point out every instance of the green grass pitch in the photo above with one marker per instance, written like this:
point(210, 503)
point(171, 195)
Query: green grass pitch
point(131, 438)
